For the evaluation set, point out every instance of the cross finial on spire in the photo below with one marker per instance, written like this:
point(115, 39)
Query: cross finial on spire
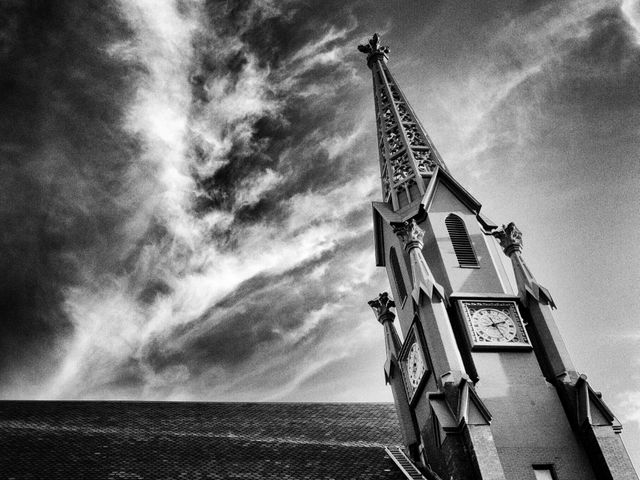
point(374, 50)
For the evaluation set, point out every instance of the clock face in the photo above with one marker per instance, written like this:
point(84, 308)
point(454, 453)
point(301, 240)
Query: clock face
point(492, 325)
point(415, 365)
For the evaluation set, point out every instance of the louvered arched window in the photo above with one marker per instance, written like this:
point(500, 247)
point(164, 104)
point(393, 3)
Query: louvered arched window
point(461, 242)
point(397, 275)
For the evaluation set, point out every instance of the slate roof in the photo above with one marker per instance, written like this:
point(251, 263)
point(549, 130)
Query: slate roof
point(193, 441)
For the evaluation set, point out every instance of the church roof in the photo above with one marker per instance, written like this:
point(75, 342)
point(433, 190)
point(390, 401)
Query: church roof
point(174, 440)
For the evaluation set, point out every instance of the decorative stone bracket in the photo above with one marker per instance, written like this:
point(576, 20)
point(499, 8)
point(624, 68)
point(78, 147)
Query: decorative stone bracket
point(381, 307)
point(510, 238)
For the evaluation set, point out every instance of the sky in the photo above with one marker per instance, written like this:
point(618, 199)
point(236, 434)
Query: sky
point(185, 186)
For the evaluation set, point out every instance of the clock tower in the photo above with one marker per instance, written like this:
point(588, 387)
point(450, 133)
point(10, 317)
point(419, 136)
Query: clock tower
point(482, 381)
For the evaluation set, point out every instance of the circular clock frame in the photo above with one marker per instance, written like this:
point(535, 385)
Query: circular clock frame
point(493, 326)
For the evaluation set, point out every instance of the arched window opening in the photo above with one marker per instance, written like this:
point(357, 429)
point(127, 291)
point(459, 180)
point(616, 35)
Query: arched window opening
point(461, 242)
point(397, 275)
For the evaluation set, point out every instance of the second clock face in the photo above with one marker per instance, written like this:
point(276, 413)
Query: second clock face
point(492, 325)
point(415, 365)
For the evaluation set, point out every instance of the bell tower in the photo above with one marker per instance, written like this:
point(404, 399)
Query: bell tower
point(482, 381)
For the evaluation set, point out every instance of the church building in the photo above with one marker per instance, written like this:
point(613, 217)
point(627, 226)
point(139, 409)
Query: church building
point(483, 384)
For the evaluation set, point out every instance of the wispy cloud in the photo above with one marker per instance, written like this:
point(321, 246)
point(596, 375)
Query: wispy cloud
point(631, 11)
point(629, 402)
point(236, 202)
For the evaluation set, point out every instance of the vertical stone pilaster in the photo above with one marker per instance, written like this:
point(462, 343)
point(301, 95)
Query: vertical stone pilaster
point(615, 461)
point(539, 304)
point(430, 302)
point(484, 454)
point(602, 442)
point(382, 308)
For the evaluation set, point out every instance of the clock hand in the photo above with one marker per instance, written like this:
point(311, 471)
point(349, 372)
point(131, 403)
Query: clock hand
point(500, 330)
point(495, 325)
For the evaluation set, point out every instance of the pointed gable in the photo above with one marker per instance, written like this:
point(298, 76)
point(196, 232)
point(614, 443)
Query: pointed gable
point(445, 193)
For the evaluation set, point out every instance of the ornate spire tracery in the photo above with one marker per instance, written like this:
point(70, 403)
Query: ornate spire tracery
point(406, 152)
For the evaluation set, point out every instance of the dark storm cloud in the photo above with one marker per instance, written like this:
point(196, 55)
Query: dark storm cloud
point(63, 156)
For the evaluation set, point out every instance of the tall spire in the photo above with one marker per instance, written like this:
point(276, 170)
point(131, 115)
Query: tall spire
point(407, 154)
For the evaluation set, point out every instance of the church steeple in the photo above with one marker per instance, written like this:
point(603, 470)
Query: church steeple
point(407, 155)
point(483, 383)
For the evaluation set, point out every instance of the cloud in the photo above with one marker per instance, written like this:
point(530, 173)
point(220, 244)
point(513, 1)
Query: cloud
point(208, 189)
point(631, 11)
point(63, 152)
point(630, 403)
point(553, 85)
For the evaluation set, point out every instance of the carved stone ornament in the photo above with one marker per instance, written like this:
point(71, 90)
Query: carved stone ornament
point(381, 306)
point(410, 234)
point(510, 238)
point(373, 49)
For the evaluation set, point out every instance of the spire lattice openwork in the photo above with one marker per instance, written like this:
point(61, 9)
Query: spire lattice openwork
point(407, 155)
